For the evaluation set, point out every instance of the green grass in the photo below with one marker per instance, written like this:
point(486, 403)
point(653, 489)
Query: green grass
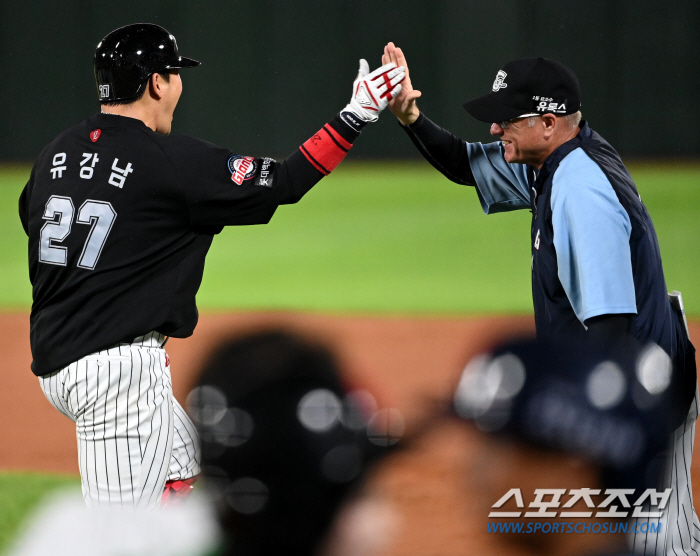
point(16, 292)
point(380, 237)
point(389, 237)
point(20, 492)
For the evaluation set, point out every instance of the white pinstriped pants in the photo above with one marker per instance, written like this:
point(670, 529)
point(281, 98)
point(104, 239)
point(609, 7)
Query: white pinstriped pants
point(680, 530)
point(132, 433)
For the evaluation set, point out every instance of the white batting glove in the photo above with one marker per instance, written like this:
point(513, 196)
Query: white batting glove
point(371, 93)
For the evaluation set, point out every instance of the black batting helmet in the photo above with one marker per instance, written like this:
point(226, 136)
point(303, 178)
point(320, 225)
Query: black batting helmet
point(128, 56)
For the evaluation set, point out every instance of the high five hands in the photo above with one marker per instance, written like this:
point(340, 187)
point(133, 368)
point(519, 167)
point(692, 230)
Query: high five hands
point(372, 92)
point(403, 105)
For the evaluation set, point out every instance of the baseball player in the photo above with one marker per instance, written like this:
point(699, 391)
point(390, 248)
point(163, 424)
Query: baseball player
point(596, 266)
point(120, 216)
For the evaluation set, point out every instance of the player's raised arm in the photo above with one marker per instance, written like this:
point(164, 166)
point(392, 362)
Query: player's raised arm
point(263, 183)
point(322, 152)
point(371, 92)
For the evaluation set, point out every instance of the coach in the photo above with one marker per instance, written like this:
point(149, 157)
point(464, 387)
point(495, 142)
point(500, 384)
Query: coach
point(596, 265)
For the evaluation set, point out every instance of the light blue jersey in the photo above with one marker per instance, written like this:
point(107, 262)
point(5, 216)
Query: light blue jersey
point(591, 239)
point(501, 186)
point(591, 229)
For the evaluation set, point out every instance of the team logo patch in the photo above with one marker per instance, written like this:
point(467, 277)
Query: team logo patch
point(498, 83)
point(95, 135)
point(167, 360)
point(242, 168)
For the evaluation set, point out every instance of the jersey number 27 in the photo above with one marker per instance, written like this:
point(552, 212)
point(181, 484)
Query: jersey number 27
point(59, 212)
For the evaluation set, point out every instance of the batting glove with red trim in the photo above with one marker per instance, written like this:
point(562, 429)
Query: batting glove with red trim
point(371, 93)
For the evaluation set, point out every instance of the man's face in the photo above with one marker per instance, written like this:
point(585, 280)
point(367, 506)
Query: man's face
point(522, 144)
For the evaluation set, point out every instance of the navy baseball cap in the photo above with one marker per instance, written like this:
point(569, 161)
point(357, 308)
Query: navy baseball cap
point(530, 86)
point(615, 410)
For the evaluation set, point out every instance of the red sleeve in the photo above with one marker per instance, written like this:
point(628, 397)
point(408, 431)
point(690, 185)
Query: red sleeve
point(326, 149)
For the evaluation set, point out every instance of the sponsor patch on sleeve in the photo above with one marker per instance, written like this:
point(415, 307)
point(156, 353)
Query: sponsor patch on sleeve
point(266, 175)
point(242, 168)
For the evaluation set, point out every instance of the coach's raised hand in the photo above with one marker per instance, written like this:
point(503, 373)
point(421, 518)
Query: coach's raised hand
point(403, 105)
point(371, 92)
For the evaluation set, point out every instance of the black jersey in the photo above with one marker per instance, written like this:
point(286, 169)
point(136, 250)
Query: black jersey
point(120, 219)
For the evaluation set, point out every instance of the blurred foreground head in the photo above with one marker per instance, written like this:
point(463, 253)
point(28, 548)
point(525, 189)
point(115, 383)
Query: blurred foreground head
point(615, 411)
point(284, 443)
point(557, 415)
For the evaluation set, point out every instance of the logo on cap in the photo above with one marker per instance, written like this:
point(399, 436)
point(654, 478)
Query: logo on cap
point(498, 83)
point(104, 91)
point(549, 104)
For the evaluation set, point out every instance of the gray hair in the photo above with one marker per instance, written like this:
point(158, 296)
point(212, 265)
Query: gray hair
point(572, 120)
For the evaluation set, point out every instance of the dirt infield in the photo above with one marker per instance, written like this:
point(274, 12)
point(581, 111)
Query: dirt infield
point(407, 362)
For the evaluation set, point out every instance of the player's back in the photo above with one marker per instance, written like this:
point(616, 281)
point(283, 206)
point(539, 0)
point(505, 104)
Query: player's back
point(112, 253)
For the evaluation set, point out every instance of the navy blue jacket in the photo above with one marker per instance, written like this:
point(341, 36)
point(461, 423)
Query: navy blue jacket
point(594, 247)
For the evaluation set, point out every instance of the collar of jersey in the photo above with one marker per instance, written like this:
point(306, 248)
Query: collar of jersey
point(552, 163)
point(115, 120)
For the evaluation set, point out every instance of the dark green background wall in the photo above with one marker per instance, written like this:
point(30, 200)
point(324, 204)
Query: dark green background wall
point(274, 71)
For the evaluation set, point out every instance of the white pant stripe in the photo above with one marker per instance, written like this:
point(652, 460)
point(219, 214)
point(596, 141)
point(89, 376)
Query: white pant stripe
point(680, 531)
point(185, 455)
point(132, 434)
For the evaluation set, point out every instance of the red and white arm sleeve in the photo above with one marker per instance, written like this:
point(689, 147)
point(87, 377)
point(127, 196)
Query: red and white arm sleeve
point(316, 158)
point(325, 149)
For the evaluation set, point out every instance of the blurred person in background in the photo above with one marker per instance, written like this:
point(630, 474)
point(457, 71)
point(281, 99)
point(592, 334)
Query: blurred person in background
point(286, 446)
point(567, 424)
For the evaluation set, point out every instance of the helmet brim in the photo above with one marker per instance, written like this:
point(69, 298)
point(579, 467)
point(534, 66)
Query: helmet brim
point(183, 62)
point(488, 109)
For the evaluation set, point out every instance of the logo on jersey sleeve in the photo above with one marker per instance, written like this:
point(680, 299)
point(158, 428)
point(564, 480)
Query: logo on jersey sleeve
point(95, 135)
point(265, 178)
point(242, 168)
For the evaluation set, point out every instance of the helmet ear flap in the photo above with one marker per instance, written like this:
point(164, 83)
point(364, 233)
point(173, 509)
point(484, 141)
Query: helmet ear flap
point(105, 85)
